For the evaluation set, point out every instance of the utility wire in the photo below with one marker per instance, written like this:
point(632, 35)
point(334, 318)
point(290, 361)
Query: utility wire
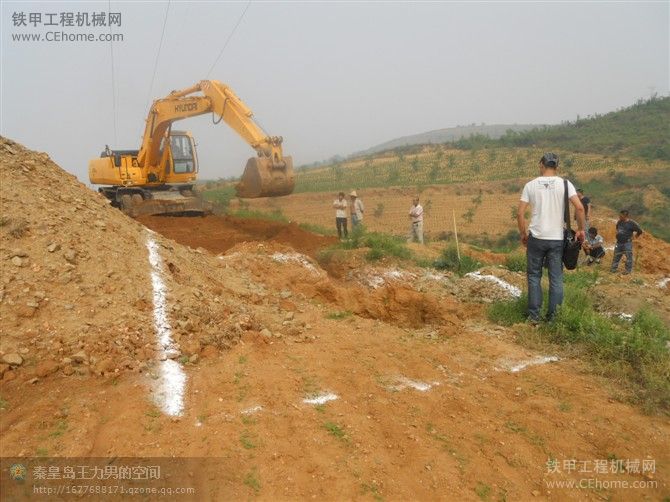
point(111, 51)
point(228, 39)
point(160, 45)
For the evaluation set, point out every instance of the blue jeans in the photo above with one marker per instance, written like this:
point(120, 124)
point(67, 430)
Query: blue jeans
point(537, 252)
point(621, 249)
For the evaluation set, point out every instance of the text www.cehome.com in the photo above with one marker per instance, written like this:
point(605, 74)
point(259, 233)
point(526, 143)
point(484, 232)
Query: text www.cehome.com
point(61, 36)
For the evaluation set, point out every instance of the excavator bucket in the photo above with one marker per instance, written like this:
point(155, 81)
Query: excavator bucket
point(262, 179)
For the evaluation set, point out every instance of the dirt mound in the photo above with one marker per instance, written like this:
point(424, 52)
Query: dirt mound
point(76, 285)
point(390, 296)
point(220, 233)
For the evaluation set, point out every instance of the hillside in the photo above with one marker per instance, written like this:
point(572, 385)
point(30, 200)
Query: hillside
point(640, 130)
point(224, 344)
point(448, 134)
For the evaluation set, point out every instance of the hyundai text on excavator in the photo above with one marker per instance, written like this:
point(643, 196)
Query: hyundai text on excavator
point(158, 178)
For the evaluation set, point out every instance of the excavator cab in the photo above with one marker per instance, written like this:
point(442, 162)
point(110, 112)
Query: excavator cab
point(182, 148)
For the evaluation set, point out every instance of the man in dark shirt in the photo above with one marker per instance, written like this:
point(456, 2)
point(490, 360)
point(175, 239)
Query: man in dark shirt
point(625, 228)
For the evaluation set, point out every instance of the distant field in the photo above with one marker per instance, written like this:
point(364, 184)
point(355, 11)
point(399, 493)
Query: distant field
point(438, 165)
point(480, 187)
point(386, 209)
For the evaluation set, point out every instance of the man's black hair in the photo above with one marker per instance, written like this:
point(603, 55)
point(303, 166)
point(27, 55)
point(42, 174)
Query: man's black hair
point(593, 229)
point(624, 212)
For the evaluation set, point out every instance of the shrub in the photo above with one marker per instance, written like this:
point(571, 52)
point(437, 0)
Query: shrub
point(448, 260)
point(516, 262)
point(385, 245)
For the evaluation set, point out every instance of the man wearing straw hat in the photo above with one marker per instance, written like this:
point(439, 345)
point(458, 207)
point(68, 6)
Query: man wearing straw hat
point(357, 209)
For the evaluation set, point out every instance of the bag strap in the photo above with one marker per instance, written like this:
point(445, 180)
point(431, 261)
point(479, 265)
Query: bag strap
point(566, 209)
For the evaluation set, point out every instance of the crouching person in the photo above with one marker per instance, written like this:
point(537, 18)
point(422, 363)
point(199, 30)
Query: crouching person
point(594, 246)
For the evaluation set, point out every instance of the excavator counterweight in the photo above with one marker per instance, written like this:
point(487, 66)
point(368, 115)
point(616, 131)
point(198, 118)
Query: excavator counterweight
point(159, 177)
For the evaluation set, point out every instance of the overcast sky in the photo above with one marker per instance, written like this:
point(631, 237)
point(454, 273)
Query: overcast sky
point(332, 78)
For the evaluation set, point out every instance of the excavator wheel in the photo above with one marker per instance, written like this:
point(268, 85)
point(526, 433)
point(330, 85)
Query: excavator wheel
point(137, 199)
point(262, 179)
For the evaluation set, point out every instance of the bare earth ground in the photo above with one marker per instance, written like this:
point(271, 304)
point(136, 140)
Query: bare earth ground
point(433, 402)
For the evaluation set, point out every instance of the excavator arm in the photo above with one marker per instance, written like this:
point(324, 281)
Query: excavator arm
point(268, 174)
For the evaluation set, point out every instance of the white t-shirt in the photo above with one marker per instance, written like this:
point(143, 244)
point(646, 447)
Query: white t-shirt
point(545, 195)
point(341, 207)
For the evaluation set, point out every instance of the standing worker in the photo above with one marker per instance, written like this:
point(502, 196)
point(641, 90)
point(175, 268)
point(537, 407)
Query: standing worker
point(544, 238)
point(625, 228)
point(586, 202)
point(357, 209)
point(416, 227)
point(341, 205)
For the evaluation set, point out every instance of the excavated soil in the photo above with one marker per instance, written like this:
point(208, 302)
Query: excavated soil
point(219, 233)
point(428, 400)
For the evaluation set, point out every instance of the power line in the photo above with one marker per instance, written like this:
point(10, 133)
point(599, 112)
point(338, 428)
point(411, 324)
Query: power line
point(228, 39)
point(111, 50)
point(160, 45)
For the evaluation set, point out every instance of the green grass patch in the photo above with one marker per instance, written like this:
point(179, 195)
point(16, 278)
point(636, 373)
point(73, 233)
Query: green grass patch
point(449, 260)
point(59, 429)
point(248, 440)
point(516, 262)
point(220, 196)
point(318, 229)
point(252, 480)
point(483, 490)
point(275, 215)
point(338, 315)
point(336, 431)
point(632, 352)
point(4, 404)
point(380, 245)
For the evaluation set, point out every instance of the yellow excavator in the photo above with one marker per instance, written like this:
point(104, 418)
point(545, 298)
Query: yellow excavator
point(158, 178)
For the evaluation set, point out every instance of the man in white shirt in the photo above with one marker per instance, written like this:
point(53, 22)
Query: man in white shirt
point(341, 205)
point(357, 209)
point(544, 238)
point(416, 227)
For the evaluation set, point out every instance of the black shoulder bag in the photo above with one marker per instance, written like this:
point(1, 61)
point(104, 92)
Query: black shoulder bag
point(571, 246)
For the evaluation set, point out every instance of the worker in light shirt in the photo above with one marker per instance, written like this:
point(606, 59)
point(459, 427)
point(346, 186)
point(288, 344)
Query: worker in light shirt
point(416, 215)
point(341, 205)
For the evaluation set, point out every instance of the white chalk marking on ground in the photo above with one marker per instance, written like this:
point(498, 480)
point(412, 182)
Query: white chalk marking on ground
point(404, 383)
point(434, 276)
point(513, 290)
point(621, 315)
point(663, 283)
point(376, 279)
point(252, 410)
point(533, 362)
point(297, 258)
point(320, 398)
point(171, 381)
